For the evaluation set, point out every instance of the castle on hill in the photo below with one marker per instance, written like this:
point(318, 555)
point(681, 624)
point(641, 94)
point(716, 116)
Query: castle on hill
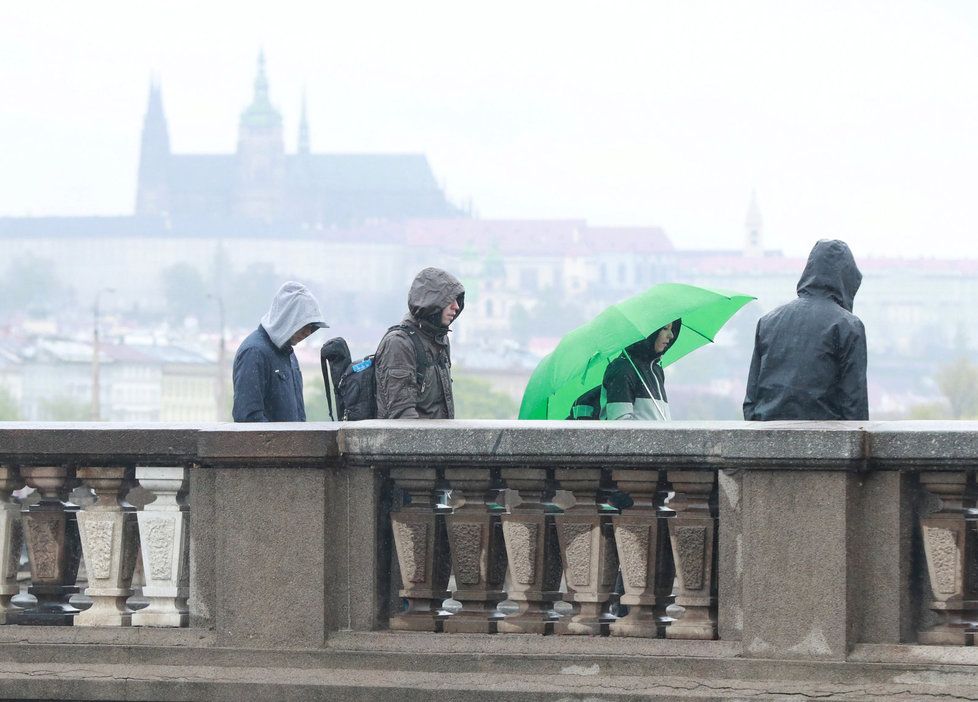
point(260, 182)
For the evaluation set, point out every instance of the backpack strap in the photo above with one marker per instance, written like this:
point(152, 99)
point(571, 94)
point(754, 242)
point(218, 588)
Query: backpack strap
point(421, 362)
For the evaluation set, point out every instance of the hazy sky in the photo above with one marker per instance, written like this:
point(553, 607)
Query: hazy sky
point(851, 119)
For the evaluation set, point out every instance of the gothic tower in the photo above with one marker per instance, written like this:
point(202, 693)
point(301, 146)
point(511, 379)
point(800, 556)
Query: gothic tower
point(302, 194)
point(152, 192)
point(754, 229)
point(260, 156)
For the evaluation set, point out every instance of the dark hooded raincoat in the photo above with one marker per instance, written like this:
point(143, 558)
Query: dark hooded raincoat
point(810, 354)
point(266, 375)
point(399, 394)
point(637, 391)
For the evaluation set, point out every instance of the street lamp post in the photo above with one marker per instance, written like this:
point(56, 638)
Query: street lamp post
point(221, 387)
point(96, 389)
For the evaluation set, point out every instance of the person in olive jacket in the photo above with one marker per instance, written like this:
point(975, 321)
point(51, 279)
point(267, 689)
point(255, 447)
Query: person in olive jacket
point(405, 391)
point(810, 354)
point(266, 375)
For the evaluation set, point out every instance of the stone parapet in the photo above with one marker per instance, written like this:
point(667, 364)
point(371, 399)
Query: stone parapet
point(783, 541)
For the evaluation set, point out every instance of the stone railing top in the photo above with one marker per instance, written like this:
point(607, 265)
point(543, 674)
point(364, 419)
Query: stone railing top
point(815, 445)
point(700, 444)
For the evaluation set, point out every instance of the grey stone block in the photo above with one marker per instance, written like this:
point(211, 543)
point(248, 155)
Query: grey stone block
point(269, 561)
point(730, 556)
point(268, 444)
point(39, 443)
point(358, 542)
point(795, 582)
point(881, 527)
point(203, 547)
point(923, 445)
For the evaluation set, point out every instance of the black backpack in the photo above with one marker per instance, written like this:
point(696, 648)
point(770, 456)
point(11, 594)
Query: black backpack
point(587, 406)
point(355, 388)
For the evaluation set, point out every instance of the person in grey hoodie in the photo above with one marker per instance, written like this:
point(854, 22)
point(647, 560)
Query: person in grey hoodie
point(266, 375)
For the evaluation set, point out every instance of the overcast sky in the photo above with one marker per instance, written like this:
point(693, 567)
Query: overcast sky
point(850, 119)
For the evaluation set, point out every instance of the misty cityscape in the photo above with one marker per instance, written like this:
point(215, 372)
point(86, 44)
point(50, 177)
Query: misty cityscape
point(135, 316)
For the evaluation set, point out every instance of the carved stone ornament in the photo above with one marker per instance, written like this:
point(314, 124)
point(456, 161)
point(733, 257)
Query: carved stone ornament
point(43, 543)
point(691, 549)
point(412, 549)
point(467, 552)
point(522, 540)
point(97, 535)
point(158, 543)
point(633, 552)
point(945, 558)
point(578, 552)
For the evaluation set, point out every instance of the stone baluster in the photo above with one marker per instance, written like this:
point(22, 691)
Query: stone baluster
point(109, 540)
point(165, 545)
point(477, 551)
point(532, 552)
point(950, 549)
point(637, 538)
point(665, 580)
point(693, 535)
point(588, 551)
point(421, 542)
point(53, 548)
point(11, 540)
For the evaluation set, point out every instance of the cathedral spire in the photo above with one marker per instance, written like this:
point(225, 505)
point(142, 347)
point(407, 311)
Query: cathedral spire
point(261, 112)
point(261, 80)
point(303, 147)
point(154, 155)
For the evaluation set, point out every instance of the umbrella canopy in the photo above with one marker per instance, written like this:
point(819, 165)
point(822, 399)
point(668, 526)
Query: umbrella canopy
point(580, 359)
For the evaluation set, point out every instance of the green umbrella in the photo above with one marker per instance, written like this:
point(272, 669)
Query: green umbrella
point(580, 359)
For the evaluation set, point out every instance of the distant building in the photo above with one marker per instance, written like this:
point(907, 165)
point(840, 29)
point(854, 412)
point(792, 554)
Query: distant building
point(51, 379)
point(262, 183)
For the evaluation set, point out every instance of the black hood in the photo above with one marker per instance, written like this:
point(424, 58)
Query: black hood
point(644, 350)
point(831, 272)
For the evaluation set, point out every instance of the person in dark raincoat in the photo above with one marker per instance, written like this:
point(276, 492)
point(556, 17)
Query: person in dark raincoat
point(435, 301)
point(266, 375)
point(810, 354)
point(634, 385)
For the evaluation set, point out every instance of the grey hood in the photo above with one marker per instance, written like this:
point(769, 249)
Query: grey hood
point(293, 307)
point(431, 292)
point(831, 272)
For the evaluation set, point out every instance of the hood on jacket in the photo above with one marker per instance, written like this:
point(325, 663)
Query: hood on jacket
point(831, 272)
point(645, 349)
point(293, 307)
point(431, 292)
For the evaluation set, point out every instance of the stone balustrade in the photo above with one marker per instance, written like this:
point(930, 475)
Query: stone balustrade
point(797, 540)
point(106, 533)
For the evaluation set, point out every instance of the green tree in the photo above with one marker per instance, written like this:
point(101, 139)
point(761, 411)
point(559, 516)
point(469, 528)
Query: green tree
point(475, 399)
point(929, 410)
point(314, 397)
point(30, 285)
point(958, 381)
point(9, 409)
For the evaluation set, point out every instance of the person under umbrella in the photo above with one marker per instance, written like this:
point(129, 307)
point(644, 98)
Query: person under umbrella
point(567, 382)
point(634, 383)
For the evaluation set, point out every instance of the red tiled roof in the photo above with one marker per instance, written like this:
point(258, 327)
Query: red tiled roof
point(542, 237)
